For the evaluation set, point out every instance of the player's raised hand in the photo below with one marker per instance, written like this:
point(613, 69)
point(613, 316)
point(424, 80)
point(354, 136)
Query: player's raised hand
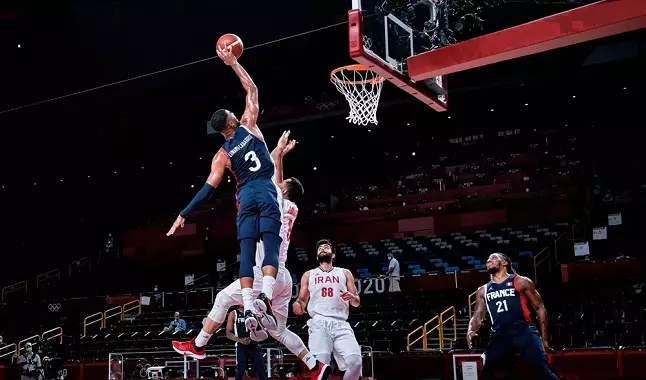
point(227, 56)
point(283, 140)
point(290, 145)
point(470, 335)
point(179, 223)
point(285, 144)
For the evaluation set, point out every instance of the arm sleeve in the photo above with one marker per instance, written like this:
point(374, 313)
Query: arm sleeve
point(205, 193)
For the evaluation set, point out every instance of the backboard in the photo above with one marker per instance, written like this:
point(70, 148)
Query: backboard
point(398, 40)
point(383, 38)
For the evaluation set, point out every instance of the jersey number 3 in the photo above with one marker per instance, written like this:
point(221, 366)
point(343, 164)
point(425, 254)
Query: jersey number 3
point(502, 306)
point(327, 292)
point(251, 155)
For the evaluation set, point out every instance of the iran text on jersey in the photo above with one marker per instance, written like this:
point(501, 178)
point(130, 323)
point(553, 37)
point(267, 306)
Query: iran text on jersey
point(325, 293)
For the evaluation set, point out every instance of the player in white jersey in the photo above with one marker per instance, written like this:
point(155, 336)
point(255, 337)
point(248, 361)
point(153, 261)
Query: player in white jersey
point(327, 293)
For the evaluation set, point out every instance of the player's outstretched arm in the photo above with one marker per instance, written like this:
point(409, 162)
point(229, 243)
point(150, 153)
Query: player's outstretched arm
point(282, 148)
point(300, 304)
point(526, 286)
point(219, 163)
point(352, 295)
point(250, 115)
point(478, 316)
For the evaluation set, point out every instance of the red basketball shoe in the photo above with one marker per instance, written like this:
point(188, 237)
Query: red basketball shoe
point(321, 372)
point(188, 349)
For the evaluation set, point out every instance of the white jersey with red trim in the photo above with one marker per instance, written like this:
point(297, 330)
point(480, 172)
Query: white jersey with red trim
point(289, 214)
point(325, 293)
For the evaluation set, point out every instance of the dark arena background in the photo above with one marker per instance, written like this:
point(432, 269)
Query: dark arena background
point(503, 126)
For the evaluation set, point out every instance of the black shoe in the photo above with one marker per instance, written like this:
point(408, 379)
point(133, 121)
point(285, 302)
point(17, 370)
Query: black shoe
point(263, 306)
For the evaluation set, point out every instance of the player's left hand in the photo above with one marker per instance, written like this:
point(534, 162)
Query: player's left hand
point(283, 140)
point(227, 56)
point(290, 145)
point(179, 223)
point(347, 296)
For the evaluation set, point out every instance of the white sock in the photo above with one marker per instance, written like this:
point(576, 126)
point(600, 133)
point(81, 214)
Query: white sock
point(247, 299)
point(310, 361)
point(202, 339)
point(268, 284)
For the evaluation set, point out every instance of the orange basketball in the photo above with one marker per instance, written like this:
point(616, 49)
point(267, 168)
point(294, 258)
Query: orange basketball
point(233, 41)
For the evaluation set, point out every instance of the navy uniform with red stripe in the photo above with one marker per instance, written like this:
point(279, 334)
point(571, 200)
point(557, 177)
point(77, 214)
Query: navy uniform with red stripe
point(258, 196)
point(246, 352)
point(512, 330)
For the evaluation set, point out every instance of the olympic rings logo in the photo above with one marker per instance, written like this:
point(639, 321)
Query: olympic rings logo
point(54, 307)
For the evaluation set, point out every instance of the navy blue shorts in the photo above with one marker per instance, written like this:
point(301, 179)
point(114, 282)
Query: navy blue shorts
point(258, 210)
point(523, 339)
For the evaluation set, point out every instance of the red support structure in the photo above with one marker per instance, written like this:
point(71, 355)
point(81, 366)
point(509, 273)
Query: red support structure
point(601, 19)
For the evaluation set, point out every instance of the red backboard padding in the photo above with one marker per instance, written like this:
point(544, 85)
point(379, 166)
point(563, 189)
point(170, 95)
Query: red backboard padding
point(598, 20)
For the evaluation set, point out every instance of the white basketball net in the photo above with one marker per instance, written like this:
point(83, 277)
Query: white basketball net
point(361, 88)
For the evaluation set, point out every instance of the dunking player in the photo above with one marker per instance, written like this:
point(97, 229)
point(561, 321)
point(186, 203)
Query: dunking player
point(259, 200)
point(330, 291)
point(292, 191)
point(505, 298)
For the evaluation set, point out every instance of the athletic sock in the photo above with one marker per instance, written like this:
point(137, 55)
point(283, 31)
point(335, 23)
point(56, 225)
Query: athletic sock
point(268, 284)
point(247, 299)
point(310, 361)
point(202, 339)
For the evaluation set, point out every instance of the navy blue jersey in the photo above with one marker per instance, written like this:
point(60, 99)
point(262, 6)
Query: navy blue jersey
point(250, 158)
point(507, 306)
point(239, 329)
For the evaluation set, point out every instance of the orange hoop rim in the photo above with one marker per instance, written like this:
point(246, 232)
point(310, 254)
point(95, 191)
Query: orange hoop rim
point(356, 67)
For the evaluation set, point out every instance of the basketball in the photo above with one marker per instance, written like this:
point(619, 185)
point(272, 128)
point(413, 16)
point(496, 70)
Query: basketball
point(233, 41)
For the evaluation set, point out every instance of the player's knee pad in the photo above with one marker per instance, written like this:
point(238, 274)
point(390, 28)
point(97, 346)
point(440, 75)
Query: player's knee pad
point(223, 302)
point(354, 365)
point(290, 340)
point(271, 242)
point(247, 257)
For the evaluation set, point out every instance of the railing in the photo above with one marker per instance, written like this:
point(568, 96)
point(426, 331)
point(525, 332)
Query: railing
point(9, 349)
point(471, 301)
point(76, 266)
point(443, 320)
point(92, 319)
point(198, 283)
point(409, 344)
point(539, 259)
point(425, 331)
point(435, 319)
point(52, 274)
point(14, 288)
point(129, 306)
point(437, 323)
point(56, 333)
point(19, 347)
point(110, 313)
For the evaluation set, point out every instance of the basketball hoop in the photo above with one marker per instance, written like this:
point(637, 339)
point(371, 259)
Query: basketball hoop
point(361, 88)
